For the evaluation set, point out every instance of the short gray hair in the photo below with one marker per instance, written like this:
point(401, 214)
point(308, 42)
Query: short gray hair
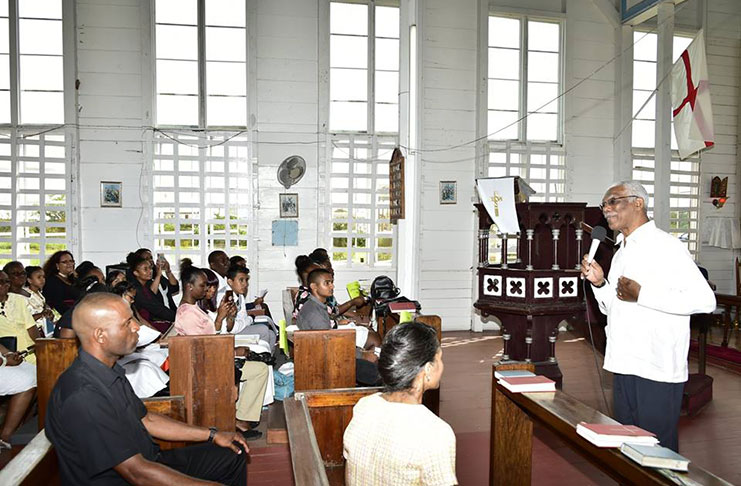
point(635, 188)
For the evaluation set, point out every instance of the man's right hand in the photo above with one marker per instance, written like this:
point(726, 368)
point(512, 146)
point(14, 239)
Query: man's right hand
point(13, 359)
point(592, 271)
point(370, 356)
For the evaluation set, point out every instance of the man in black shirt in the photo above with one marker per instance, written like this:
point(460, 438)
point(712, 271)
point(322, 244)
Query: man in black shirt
point(102, 432)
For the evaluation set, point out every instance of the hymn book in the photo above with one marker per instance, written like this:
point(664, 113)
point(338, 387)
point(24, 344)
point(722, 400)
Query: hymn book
point(524, 384)
point(655, 456)
point(511, 373)
point(614, 435)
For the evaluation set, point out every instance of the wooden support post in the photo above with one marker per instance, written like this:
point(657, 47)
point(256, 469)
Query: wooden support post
point(53, 356)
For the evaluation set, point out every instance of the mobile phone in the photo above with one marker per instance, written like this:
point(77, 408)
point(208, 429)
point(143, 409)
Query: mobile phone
point(229, 295)
point(23, 354)
point(160, 257)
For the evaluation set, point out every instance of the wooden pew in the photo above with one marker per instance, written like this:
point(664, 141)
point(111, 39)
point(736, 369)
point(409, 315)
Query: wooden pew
point(324, 359)
point(316, 422)
point(202, 369)
point(512, 417)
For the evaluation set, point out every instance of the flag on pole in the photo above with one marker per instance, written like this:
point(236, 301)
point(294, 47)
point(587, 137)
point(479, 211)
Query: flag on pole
point(691, 107)
point(498, 197)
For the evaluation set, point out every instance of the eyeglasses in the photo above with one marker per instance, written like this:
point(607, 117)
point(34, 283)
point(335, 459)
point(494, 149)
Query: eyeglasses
point(613, 201)
point(66, 261)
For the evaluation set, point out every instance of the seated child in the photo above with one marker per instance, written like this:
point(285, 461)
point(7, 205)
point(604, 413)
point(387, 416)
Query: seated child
point(315, 315)
point(238, 281)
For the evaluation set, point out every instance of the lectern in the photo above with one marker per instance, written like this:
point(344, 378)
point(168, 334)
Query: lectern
point(537, 286)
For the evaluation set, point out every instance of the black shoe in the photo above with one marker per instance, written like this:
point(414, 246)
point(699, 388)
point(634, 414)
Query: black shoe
point(253, 425)
point(251, 434)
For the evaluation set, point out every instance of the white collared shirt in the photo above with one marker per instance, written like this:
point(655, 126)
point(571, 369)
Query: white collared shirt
point(650, 338)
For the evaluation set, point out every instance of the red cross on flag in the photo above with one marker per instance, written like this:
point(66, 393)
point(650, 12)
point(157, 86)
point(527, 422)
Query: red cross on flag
point(691, 107)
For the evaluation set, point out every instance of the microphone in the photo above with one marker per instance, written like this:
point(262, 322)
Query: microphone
point(598, 236)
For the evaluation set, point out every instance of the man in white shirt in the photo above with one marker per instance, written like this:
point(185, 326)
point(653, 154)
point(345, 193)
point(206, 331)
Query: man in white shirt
point(652, 289)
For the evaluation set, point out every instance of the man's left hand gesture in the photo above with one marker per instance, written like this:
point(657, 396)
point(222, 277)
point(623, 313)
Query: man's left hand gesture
point(628, 290)
point(227, 439)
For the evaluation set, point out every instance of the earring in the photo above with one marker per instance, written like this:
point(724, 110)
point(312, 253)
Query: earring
point(427, 377)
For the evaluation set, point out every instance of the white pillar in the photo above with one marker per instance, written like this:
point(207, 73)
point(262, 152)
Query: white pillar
point(663, 114)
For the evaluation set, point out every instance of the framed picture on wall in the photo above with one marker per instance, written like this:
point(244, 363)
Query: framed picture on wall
point(110, 194)
point(448, 192)
point(288, 204)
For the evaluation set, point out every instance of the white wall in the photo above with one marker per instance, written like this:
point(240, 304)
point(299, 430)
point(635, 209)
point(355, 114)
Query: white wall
point(288, 62)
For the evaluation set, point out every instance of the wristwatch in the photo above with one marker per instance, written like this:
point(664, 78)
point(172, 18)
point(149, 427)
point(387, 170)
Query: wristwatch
point(604, 282)
point(212, 433)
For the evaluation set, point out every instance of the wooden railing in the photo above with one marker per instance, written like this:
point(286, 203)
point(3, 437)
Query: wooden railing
point(512, 417)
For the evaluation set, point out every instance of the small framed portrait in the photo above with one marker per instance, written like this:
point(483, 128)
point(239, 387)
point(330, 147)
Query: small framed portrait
point(288, 205)
point(110, 194)
point(448, 192)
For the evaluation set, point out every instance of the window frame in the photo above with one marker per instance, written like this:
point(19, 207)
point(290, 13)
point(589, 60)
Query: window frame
point(202, 95)
point(523, 114)
point(20, 135)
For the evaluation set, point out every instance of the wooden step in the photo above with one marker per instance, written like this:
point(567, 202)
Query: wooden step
point(277, 424)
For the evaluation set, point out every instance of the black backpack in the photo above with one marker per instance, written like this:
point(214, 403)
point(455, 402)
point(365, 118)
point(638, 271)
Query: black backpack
point(383, 288)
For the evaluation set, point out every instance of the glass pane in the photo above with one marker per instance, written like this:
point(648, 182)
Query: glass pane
point(387, 54)
point(645, 45)
point(177, 77)
point(40, 36)
point(225, 44)
point(176, 11)
point(348, 84)
point(4, 71)
point(542, 127)
point(177, 42)
point(504, 95)
point(543, 36)
point(542, 97)
point(4, 34)
point(387, 87)
point(387, 22)
point(347, 51)
point(41, 9)
point(504, 63)
point(4, 106)
point(348, 116)
point(226, 12)
point(644, 75)
point(227, 111)
point(3, 9)
point(226, 78)
point(649, 111)
point(42, 107)
point(42, 73)
point(680, 45)
point(387, 118)
point(346, 18)
point(502, 125)
point(643, 133)
point(177, 110)
point(504, 32)
point(542, 67)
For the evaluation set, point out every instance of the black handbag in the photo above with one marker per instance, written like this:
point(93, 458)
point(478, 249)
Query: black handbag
point(10, 343)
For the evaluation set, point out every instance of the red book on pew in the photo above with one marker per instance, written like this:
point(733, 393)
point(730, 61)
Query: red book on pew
point(398, 307)
point(614, 435)
point(524, 384)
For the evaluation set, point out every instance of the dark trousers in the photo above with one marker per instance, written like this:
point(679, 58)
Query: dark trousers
point(651, 405)
point(208, 462)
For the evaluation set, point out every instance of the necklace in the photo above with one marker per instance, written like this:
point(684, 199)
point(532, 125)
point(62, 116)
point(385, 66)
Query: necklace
point(2, 308)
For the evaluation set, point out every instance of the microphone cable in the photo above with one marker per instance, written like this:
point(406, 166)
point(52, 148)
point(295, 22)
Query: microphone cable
point(594, 349)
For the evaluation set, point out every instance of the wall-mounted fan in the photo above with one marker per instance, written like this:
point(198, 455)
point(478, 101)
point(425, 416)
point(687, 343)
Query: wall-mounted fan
point(291, 170)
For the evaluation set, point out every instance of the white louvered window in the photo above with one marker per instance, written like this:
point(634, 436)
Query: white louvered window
point(364, 121)
point(684, 189)
point(202, 196)
point(361, 231)
point(34, 167)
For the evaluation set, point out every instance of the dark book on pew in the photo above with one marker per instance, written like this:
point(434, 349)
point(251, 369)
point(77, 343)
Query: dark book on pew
point(525, 384)
point(398, 307)
point(655, 456)
point(614, 435)
point(512, 373)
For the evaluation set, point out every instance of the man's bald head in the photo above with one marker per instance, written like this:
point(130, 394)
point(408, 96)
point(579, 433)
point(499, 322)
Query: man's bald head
point(97, 310)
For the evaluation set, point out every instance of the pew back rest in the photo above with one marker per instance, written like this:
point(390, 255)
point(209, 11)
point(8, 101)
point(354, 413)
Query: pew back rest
point(53, 356)
point(202, 369)
point(324, 359)
point(316, 422)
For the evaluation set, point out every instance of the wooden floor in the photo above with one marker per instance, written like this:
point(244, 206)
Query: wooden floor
point(712, 439)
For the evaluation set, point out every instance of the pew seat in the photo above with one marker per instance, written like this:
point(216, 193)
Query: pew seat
point(316, 422)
